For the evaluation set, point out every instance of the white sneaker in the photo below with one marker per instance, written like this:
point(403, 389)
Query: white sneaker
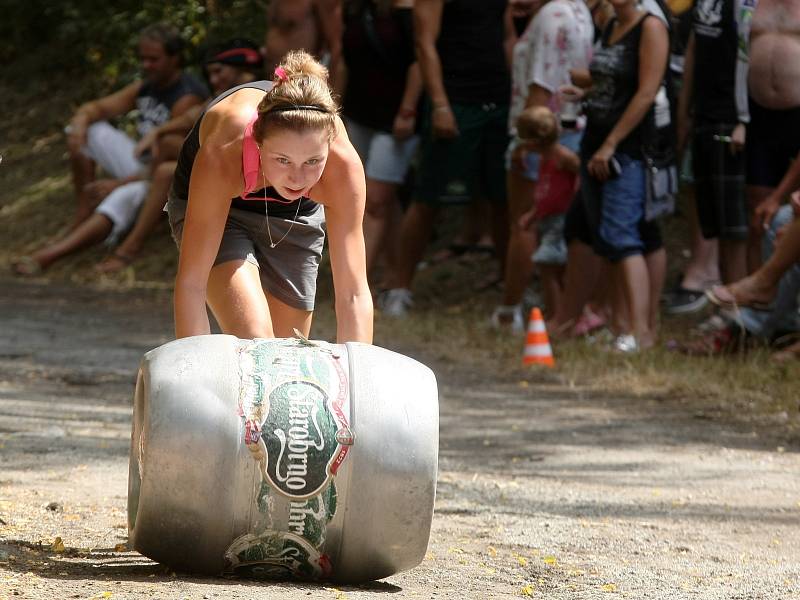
point(508, 316)
point(396, 302)
point(626, 344)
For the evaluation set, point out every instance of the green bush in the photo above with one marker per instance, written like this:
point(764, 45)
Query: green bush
point(40, 39)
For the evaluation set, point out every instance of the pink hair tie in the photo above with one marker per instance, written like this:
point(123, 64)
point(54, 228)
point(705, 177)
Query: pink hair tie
point(280, 73)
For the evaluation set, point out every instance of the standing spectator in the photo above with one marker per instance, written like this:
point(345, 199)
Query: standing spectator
point(702, 268)
point(557, 39)
point(226, 65)
point(627, 72)
point(380, 111)
point(774, 132)
point(108, 207)
point(461, 50)
point(311, 25)
point(714, 95)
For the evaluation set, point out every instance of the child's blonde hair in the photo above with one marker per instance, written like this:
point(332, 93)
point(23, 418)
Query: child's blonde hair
point(538, 125)
point(300, 98)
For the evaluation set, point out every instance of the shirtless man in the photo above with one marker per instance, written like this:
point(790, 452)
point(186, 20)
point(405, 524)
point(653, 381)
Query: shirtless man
point(773, 138)
point(311, 25)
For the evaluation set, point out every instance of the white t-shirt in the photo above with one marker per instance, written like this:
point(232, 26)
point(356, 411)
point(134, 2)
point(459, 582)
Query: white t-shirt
point(557, 39)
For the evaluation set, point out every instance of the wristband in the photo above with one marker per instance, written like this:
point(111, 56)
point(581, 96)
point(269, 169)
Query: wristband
point(407, 113)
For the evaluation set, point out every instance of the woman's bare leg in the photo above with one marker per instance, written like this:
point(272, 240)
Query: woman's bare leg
point(237, 300)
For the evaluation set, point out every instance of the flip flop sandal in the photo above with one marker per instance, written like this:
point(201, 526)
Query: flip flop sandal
point(714, 297)
point(454, 250)
point(123, 258)
point(787, 353)
point(26, 266)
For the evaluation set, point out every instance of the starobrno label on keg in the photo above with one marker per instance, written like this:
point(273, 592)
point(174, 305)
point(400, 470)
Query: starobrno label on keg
point(276, 555)
point(300, 436)
point(293, 400)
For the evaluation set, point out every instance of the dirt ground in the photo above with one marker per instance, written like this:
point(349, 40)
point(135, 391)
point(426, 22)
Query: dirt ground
point(543, 491)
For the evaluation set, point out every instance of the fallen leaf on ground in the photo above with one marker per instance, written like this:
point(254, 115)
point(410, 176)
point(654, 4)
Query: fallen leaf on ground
point(57, 545)
point(550, 560)
point(491, 551)
point(609, 587)
point(528, 590)
point(121, 548)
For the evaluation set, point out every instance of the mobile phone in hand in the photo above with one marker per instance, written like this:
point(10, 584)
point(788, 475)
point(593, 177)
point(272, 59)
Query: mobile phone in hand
point(614, 168)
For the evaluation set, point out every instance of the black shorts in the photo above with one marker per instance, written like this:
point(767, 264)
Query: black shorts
point(719, 179)
point(773, 141)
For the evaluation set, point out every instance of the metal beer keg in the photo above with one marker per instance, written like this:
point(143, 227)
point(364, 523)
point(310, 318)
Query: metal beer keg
point(282, 458)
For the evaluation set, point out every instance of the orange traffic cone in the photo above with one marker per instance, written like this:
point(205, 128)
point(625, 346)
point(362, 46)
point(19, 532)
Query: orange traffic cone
point(537, 344)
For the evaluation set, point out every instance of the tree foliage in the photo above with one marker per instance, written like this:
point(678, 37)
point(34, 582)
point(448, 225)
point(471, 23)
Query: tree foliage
point(42, 38)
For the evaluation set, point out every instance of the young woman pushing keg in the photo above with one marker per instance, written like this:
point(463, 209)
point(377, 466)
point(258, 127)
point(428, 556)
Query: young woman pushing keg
point(264, 169)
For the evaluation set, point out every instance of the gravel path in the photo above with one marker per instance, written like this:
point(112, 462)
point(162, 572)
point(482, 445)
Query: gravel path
point(543, 492)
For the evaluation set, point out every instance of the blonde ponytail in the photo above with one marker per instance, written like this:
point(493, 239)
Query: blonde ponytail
point(300, 98)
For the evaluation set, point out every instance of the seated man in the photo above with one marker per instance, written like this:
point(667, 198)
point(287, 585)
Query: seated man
point(765, 302)
point(226, 66)
point(109, 206)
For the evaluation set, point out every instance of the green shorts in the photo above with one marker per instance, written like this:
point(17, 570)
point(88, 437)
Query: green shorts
point(472, 163)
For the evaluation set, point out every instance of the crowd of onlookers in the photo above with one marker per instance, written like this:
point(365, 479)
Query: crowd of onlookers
point(566, 126)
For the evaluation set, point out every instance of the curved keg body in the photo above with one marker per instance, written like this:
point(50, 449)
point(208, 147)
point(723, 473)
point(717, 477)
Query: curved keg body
point(283, 458)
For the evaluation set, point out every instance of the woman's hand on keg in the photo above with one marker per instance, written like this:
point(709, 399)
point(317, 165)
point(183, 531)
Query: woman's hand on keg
point(598, 164)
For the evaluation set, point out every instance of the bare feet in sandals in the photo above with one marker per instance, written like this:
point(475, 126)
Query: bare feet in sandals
point(115, 263)
point(790, 352)
point(26, 266)
point(749, 292)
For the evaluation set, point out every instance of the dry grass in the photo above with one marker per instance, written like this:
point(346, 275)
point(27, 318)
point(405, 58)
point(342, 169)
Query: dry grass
point(449, 328)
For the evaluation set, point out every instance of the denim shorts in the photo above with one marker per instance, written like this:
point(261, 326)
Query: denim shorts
point(289, 270)
point(385, 157)
point(615, 209)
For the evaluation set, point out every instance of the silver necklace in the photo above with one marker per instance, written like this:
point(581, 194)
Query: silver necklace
point(266, 212)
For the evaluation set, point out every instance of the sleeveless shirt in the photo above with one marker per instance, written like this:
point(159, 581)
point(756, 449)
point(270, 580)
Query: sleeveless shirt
point(255, 198)
point(615, 80)
point(471, 47)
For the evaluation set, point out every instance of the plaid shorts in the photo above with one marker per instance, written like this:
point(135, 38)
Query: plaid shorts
point(719, 179)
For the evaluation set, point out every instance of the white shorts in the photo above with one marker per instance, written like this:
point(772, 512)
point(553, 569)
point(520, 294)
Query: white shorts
point(122, 206)
point(112, 149)
point(385, 157)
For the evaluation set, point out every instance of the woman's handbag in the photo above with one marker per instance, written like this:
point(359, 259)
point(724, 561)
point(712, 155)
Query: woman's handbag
point(660, 160)
point(661, 187)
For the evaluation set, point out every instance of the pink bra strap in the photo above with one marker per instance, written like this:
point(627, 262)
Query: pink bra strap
point(251, 158)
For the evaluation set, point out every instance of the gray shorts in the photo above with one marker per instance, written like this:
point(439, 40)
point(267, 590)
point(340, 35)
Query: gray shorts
point(385, 158)
point(288, 271)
